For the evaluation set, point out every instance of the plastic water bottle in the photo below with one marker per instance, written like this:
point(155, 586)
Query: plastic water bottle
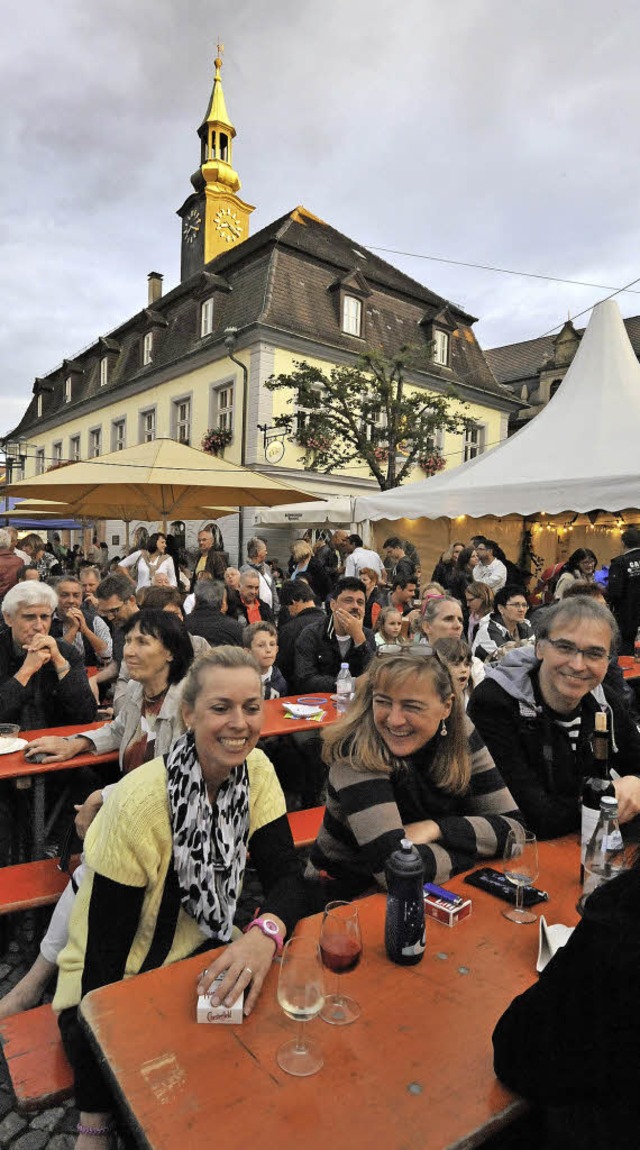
point(345, 687)
point(404, 927)
point(605, 857)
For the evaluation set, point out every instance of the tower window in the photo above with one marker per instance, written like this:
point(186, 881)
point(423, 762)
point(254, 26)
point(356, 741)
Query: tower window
point(206, 318)
point(224, 147)
point(104, 371)
point(147, 348)
point(441, 347)
point(352, 315)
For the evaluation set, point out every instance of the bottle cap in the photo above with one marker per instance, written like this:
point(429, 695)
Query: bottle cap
point(344, 666)
point(609, 805)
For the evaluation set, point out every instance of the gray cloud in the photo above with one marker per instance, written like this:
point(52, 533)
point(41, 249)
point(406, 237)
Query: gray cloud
point(486, 131)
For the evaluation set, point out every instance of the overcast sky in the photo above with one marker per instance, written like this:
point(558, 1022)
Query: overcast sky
point(487, 132)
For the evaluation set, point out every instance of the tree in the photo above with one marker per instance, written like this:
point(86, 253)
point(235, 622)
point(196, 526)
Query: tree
point(362, 414)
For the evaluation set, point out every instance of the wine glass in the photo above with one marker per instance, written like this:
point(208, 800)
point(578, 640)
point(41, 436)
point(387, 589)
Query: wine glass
point(341, 951)
point(520, 867)
point(301, 995)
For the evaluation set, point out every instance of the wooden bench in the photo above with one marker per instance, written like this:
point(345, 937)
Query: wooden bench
point(40, 1073)
point(31, 885)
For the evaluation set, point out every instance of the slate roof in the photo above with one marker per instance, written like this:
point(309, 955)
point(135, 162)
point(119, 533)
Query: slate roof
point(283, 278)
point(522, 362)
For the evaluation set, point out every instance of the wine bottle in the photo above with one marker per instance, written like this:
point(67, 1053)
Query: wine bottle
point(595, 785)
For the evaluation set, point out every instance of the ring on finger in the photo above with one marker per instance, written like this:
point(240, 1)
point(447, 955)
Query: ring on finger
point(248, 970)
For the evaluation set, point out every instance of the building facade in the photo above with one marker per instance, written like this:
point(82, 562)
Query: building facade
point(195, 359)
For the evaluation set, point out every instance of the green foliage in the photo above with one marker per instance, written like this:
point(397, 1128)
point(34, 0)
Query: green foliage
point(361, 414)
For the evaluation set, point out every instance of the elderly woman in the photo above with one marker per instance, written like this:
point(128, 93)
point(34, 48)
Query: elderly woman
point(506, 624)
point(304, 565)
point(149, 562)
point(158, 654)
point(165, 864)
point(43, 682)
point(441, 619)
point(406, 762)
point(536, 712)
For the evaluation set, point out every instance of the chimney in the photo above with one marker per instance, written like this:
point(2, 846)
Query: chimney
point(155, 287)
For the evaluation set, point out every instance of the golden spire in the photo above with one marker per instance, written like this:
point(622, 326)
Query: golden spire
point(217, 113)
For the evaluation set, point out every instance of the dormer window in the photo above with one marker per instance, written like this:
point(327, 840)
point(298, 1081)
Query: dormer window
point(104, 371)
point(206, 317)
point(351, 315)
point(441, 347)
point(39, 405)
point(147, 349)
point(67, 389)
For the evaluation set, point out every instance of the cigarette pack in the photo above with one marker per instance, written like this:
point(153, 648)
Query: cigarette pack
point(205, 1012)
point(450, 910)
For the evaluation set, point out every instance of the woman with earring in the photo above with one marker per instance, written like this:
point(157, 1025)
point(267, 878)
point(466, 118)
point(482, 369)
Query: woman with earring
point(405, 761)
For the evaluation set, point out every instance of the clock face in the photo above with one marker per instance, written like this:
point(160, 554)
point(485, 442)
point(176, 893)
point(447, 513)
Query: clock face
point(228, 225)
point(191, 225)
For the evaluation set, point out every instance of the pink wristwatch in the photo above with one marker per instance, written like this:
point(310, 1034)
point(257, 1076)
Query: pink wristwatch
point(269, 927)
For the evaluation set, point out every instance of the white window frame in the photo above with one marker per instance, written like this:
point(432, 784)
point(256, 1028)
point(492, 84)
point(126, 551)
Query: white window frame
point(40, 463)
point(104, 371)
point(119, 434)
point(441, 345)
point(380, 422)
point(147, 348)
point(474, 441)
point(352, 315)
point(56, 452)
point(182, 415)
point(148, 424)
point(95, 441)
point(206, 317)
point(225, 399)
point(74, 448)
point(67, 389)
point(39, 405)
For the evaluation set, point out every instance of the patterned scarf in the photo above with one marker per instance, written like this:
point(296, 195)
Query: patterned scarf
point(209, 842)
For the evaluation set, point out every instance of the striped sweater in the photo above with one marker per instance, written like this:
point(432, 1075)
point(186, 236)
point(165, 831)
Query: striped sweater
point(367, 811)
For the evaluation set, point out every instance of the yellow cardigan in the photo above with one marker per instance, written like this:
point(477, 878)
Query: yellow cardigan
point(130, 842)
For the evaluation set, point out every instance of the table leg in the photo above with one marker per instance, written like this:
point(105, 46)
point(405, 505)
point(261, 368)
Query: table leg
point(38, 817)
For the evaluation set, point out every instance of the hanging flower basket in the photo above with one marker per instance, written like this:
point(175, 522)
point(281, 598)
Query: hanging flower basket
point(216, 439)
point(432, 463)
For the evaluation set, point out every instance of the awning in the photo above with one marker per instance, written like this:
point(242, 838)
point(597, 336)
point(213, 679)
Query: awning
point(337, 512)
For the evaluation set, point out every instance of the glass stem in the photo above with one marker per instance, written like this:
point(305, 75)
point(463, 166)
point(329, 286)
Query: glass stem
point(301, 1044)
point(338, 991)
point(519, 898)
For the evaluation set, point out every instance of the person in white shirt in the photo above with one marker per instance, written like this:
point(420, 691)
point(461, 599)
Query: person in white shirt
point(359, 556)
point(257, 561)
point(488, 569)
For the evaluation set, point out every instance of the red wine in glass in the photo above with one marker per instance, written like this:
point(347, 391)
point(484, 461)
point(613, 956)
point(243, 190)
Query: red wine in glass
point(340, 951)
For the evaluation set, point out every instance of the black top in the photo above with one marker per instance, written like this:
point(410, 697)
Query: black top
point(318, 657)
point(287, 636)
point(214, 626)
point(46, 700)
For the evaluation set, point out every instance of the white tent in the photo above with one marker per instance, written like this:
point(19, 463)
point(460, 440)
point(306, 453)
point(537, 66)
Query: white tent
point(580, 453)
point(336, 510)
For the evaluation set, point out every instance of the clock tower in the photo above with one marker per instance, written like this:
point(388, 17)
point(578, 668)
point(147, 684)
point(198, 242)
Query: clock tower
point(214, 218)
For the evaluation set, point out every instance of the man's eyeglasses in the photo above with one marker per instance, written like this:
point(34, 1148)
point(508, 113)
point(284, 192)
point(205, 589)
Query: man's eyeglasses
point(111, 612)
point(569, 650)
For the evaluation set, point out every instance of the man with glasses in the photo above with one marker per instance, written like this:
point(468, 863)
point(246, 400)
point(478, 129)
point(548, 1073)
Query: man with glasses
point(536, 713)
point(116, 599)
point(489, 569)
point(507, 623)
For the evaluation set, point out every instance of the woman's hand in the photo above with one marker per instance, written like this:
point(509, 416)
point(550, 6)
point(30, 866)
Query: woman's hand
point(424, 832)
point(57, 749)
point(244, 962)
point(87, 812)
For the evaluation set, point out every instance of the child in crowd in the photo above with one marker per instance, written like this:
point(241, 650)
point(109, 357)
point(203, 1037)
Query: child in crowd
point(465, 669)
point(388, 626)
point(262, 640)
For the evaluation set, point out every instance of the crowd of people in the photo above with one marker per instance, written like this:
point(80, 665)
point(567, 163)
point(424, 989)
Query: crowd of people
point(469, 720)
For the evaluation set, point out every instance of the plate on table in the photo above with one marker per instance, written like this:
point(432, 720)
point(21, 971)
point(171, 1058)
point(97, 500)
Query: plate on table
point(8, 746)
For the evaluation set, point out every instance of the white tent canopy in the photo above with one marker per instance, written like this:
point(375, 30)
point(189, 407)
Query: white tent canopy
point(336, 511)
point(580, 453)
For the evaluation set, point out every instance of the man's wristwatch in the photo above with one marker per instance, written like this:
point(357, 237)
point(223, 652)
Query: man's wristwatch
point(270, 928)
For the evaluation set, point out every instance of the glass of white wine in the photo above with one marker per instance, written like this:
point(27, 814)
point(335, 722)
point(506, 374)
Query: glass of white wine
point(520, 867)
point(301, 996)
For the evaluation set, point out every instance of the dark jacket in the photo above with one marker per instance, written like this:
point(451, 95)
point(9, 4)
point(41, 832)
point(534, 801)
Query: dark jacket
point(287, 636)
point(315, 575)
point(46, 701)
point(214, 626)
point(571, 1043)
point(318, 657)
point(533, 754)
point(237, 610)
point(624, 595)
point(216, 564)
point(276, 685)
point(492, 633)
point(90, 657)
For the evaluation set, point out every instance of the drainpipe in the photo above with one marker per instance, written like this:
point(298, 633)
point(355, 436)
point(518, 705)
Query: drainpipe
point(230, 341)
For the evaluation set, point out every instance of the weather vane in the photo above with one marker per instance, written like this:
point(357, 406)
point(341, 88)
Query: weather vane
point(220, 48)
